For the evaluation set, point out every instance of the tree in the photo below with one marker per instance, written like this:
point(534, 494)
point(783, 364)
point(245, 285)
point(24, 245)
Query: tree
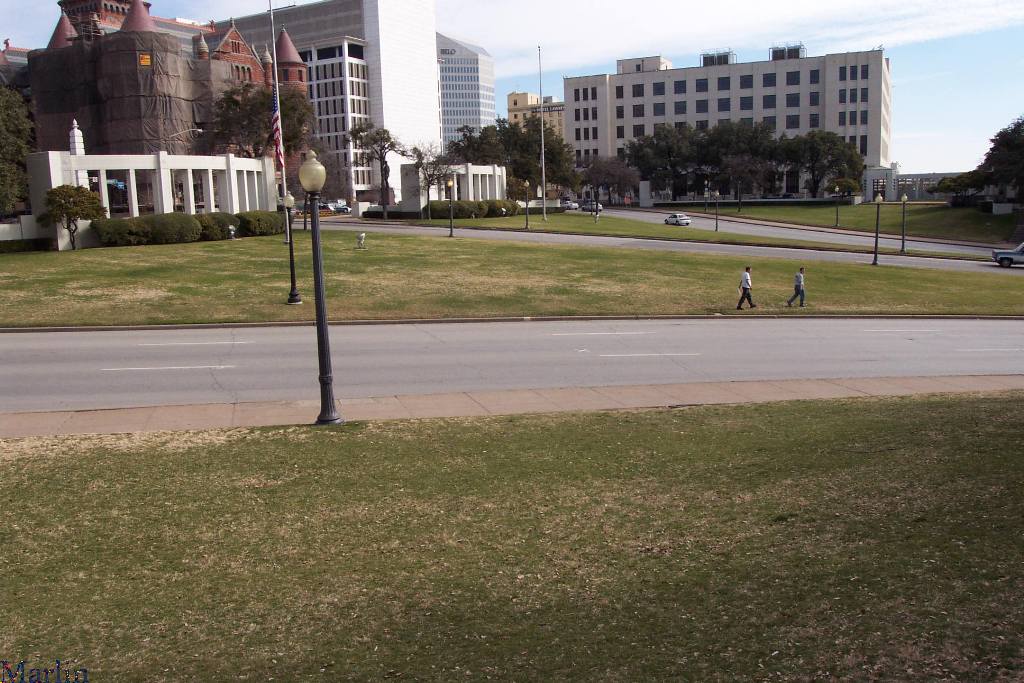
point(963, 186)
point(612, 174)
point(68, 204)
point(743, 172)
point(483, 148)
point(1005, 159)
point(432, 169)
point(379, 144)
point(242, 121)
point(826, 157)
point(16, 134)
point(337, 184)
point(665, 158)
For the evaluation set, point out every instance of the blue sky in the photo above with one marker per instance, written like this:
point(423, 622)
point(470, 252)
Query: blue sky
point(958, 65)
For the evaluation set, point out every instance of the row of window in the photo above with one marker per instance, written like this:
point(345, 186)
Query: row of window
point(852, 118)
point(852, 72)
point(851, 95)
point(792, 121)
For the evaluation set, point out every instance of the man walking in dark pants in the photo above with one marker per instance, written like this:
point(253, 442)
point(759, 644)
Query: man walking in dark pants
point(745, 287)
point(798, 291)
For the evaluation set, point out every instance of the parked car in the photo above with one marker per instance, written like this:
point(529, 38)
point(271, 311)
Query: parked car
point(570, 205)
point(1009, 258)
point(588, 205)
point(678, 219)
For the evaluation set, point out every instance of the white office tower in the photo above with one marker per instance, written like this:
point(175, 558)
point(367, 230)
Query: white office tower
point(467, 86)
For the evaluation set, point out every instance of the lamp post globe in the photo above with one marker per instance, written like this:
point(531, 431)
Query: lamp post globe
point(835, 193)
point(903, 231)
point(878, 224)
point(294, 298)
point(451, 207)
point(526, 193)
point(312, 176)
point(717, 195)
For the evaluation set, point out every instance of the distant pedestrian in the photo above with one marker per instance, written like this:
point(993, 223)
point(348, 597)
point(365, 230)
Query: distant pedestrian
point(799, 291)
point(745, 286)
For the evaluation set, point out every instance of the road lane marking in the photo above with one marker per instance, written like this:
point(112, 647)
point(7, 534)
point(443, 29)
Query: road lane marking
point(183, 367)
point(647, 355)
point(990, 350)
point(600, 334)
point(222, 343)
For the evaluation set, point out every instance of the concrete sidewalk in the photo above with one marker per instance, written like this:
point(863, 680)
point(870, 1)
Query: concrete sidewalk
point(483, 403)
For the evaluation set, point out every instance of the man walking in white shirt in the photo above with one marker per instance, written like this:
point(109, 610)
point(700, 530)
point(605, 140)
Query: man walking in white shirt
point(745, 287)
point(798, 290)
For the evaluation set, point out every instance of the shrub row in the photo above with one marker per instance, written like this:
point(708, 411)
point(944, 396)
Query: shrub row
point(175, 228)
point(491, 208)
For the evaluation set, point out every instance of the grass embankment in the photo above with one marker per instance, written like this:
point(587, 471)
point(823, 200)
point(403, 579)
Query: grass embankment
point(429, 277)
point(923, 220)
point(793, 542)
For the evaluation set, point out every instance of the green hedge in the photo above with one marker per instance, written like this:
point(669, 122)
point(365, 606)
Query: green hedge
point(396, 215)
point(215, 226)
point(257, 223)
point(466, 209)
point(168, 228)
point(18, 246)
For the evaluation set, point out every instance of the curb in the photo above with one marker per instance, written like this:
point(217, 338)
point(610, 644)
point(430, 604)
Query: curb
point(511, 319)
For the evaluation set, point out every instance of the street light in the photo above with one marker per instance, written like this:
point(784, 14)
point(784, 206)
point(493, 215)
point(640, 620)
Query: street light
point(313, 175)
point(707, 193)
point(717, 197)
point(903, 243)
point(835, 193)
point(186, 132)
point(526, 189)
point(289, 203)
point(451, 207)
point(878, 224)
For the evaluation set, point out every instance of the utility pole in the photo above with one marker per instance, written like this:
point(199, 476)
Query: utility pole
point(543, 163)
point(277, 102)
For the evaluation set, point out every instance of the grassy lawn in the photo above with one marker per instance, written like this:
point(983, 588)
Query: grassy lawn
point(582, 223)
point(787, 542)
point(924, 220)
point(429, 277)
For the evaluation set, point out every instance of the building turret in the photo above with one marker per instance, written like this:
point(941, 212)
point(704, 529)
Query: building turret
point(267, 62)
point(63, 34)
point(202, 48)
point(290, 67)
point(138, 19)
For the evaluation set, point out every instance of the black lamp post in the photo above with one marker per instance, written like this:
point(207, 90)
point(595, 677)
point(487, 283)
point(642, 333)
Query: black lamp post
point(289, 203)
point(835, 193)
point(717, 197)
point(451, 207)
point(878, 224)
point(313, 175)
point(707, 193)
point(903, 243)
point(526, 189)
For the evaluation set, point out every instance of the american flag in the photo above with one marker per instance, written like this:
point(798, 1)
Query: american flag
point(275, 123)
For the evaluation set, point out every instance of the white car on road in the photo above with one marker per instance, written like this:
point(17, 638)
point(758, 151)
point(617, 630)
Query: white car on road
point(1009, 258)
point(678, 219)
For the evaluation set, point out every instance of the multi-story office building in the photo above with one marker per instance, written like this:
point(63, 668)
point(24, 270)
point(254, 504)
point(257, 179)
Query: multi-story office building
point(848, 94)
point(467, 86)
point(368, 60)
point(526, 104)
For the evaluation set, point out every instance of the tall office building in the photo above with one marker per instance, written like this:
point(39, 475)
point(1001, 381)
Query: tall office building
point(522, 105)
point(467, 86)
point(368, 61)
point(848, 94)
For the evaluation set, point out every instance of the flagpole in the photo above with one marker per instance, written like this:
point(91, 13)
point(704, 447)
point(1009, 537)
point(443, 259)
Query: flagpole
point(543, 161)
point(277, 104)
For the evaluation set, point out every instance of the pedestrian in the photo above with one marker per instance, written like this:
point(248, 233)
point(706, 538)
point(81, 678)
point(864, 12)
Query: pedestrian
point(745, 287)
point(798, 290)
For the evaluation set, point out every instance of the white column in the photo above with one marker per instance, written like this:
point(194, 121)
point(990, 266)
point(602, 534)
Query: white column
point(133, 194)
point(232, 202)
point(190, 194)
point(163, 181)
point(211, 201)
point(104, 192)
point(240, 189)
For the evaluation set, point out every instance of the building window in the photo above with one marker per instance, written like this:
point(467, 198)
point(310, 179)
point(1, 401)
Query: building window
point(815, 99)
point(724, 83)
point(746, 82)
point(702, 85)
point(702, 106)
point(620, 132)
point(586, 133)
point(864, 72)
point(702, 124)
point(852, 118)
point(679, 87)
point(576, 95)
point(768, 80)
point(792, 121)
point(620, 112)
point(768, 102)
point(586, 114)
point(680, 108)
point(618, 92)
point(853, 95)
point(792, 78)
point(769, 121)
point(659, 108)
point(864, 117)
point(853, 140)
point(638, 131)
point(724, 104)
point(579, 134)
point(842, 96)
point(593, 133)
point(863, 94)
point(747, 121)
point(638, 111)
point(579, 158)
point(792, 99)
point(658, 88)
point(815, 76)
point(853, 73)
point(593, 93)
point(746, 104)
point(842, 73)
point(638, 90)
point(864, 145)
point(680, 125)
point(815, 121)
point(842, 118)
point(593, 113)
point(576, 114)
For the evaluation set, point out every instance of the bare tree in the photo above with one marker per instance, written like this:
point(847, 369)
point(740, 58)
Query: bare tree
point(432, 169)
point(378, 144)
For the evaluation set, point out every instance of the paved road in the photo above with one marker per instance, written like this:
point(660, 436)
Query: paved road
point(839, 239)
point(84, 370)
point(680, 247)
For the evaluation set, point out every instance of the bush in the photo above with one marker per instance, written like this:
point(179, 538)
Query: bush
point(494, 207)
point(215, 226)
point(172, 228)
point(467, 209)
point(258, 223)
point(397, 215)
point(121, 232)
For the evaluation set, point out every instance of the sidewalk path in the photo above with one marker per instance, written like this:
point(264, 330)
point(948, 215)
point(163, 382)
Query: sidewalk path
point(484, 403)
